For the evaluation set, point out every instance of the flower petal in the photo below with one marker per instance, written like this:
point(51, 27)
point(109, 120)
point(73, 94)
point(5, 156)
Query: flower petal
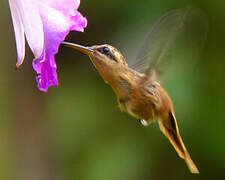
point(68, 6)
point(80, 22)
point(19, 32)
point(57, 25)
point(47, 75)
point(32, 23)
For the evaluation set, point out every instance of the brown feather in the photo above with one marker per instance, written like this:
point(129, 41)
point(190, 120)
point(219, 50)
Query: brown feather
point(170, 130)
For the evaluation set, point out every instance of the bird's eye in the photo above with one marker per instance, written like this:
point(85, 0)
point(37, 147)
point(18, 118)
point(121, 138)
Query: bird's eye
point(105, 50)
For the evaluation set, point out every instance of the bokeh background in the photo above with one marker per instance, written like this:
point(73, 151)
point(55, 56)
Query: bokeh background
point(76, 130)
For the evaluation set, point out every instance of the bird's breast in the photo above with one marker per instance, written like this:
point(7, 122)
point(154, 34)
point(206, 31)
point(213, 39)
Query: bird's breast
point(139, 105)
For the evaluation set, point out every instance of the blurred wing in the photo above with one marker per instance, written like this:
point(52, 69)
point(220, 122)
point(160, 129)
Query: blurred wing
point(163, 34)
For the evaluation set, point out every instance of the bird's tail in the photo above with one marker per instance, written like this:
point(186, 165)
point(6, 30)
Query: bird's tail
point(171, 131)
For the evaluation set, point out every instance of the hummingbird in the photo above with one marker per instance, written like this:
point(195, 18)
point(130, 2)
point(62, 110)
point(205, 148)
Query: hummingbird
point(139, 93)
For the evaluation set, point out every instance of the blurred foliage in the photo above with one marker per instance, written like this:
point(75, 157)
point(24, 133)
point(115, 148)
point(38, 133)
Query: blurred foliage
point(84, 133)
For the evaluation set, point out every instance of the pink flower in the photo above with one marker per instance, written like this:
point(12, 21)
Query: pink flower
point(45, 23)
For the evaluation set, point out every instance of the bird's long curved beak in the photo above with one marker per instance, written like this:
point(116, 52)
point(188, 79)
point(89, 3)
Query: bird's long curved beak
point(83, 49)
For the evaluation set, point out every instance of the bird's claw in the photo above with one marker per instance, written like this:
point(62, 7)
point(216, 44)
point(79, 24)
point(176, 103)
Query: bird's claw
point(144, 122)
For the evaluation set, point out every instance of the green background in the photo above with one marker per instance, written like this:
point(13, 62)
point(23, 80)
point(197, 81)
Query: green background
point(76, 130)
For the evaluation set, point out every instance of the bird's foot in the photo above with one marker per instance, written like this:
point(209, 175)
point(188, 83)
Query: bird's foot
point(144, 122)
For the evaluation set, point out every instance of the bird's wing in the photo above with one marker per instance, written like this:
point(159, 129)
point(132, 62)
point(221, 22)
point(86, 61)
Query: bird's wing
point(161, 38)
